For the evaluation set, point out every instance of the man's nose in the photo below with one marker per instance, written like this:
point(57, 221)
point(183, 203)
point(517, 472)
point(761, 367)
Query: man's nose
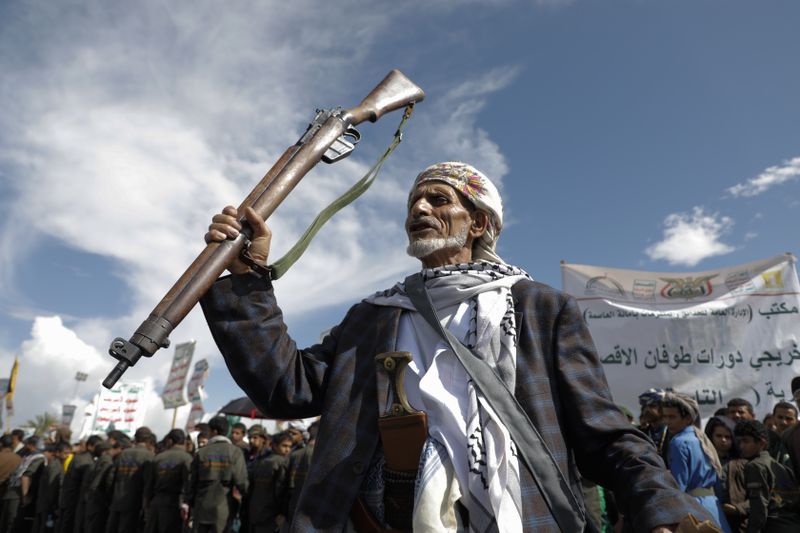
point(420, 207)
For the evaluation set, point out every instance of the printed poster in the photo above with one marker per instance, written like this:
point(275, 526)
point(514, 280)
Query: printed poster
point(172, 396)
point(121, 408)
point(195, 392)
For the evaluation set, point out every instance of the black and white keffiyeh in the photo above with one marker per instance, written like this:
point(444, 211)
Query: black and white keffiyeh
point(469, 455)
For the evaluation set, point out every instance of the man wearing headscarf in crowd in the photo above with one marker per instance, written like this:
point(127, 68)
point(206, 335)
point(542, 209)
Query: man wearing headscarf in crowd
point(531, 335)
point(693, 460)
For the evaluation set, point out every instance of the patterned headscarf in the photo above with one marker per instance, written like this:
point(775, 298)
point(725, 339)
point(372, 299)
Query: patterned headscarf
point(481, 192)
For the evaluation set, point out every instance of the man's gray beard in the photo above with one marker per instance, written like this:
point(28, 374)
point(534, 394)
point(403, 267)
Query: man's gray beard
point(422, 247)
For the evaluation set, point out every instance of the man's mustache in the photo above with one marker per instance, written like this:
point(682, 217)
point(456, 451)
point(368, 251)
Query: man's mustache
point(425, 222)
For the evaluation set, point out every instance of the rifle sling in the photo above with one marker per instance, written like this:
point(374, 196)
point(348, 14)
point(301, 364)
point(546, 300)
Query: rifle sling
point(279, 267)
point(553, 486)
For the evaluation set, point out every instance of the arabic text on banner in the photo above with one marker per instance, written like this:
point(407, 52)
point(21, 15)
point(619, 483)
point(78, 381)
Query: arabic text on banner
point(717, 335)
point(194, 389)
point(172, 396)
point(121, 408)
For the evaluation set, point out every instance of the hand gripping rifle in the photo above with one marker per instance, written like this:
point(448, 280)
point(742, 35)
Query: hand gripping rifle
point(330, 138)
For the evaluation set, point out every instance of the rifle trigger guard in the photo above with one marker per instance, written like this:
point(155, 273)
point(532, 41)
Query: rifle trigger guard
point(342, 146)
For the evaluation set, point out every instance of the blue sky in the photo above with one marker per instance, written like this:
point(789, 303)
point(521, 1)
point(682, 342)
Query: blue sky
point(626, 133)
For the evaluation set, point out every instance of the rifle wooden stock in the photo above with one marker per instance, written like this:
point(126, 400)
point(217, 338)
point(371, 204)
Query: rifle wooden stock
point(394, 92)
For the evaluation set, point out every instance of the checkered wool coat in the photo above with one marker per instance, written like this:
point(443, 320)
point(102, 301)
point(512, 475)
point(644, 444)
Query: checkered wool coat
point(560, 384)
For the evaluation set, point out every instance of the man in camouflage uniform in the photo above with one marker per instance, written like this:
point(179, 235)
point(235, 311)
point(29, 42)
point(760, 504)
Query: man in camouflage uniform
point(27, 480)
point(771, 488)
point(126, 504)
point(96, 495)
point(49, 487)
point(217, 469)
point(68, 504)
point(164, 481)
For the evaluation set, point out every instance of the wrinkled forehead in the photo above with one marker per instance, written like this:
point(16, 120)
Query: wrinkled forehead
point(435, 186)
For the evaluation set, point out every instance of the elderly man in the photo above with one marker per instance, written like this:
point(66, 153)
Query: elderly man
point(529, 334)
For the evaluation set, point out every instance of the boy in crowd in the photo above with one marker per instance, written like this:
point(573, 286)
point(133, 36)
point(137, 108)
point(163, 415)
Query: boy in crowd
point(692, 459)
point(238, 431)
point(771, 489)
point(269, 495)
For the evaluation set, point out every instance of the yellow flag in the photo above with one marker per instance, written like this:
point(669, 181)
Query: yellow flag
point(12, 384)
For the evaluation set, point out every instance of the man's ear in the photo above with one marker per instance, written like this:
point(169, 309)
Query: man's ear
point(480, 224)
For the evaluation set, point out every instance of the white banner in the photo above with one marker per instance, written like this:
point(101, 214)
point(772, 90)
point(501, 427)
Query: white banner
point(172, 396)
point(120, 408)
point(195, 392)
point(717, 335)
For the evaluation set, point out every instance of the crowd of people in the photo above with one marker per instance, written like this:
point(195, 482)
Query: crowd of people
point(228, 478)
point(234, 478)
point(742, 470)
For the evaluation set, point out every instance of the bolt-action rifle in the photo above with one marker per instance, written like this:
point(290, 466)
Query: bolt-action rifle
point(330, 137)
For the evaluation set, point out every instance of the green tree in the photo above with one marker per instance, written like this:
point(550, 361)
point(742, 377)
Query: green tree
point(42, 423)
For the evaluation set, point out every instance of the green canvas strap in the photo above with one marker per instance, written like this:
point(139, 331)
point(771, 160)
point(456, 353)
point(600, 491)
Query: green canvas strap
point(553, 486)
point(279, 267)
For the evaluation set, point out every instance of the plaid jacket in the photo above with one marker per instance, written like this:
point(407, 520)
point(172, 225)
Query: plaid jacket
point(560, 384)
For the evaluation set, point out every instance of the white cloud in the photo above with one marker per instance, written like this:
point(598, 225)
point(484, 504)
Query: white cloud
point(691, 237)
point(48, 362)
point(772, 176)
point(452, 128)
point(121, 138)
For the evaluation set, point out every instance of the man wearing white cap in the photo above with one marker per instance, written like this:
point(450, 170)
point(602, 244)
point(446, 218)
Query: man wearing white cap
point(504, 367)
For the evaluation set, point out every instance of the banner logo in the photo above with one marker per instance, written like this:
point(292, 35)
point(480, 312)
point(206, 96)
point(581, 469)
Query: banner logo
point(603, 285)
point(687, 288)
point(773, 279)
point(644, 289)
